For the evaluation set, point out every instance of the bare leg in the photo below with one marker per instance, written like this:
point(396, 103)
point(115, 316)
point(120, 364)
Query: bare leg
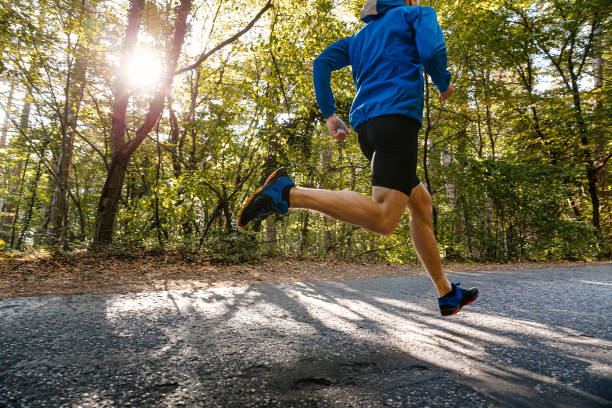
point(380, 214)
point(423, 238)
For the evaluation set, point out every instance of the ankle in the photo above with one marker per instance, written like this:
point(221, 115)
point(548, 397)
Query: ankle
point(452, 293)
point(444, 288)
point(286, 195)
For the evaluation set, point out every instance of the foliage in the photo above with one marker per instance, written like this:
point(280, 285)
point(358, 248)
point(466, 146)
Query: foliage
point(233, 247)
point(516, 161)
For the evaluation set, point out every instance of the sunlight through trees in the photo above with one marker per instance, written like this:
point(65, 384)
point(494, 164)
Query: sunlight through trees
point(147, 123)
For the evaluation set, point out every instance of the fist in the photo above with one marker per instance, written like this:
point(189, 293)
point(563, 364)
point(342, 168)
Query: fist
point(336, 127)
point(447, 94)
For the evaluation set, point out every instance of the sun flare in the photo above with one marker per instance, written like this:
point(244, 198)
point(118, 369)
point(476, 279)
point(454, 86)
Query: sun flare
point(144, 70)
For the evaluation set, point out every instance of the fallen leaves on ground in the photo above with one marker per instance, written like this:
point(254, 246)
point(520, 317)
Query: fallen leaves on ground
point(40, 274)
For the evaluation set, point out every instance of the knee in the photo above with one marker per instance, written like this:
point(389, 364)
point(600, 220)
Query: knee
point(387, 226)
point(421, 206)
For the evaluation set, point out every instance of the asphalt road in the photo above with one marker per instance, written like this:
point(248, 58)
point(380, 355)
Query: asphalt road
point(534, 338)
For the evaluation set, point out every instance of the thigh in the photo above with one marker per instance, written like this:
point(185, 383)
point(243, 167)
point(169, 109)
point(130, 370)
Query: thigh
point(394, 139)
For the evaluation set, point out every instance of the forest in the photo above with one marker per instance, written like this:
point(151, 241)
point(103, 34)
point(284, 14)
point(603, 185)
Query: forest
point(147, 124)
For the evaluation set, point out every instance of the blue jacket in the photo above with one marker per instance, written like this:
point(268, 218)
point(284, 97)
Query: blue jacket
point(386, 58)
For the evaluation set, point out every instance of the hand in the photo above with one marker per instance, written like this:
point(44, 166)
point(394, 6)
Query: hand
point(447, 94)
point(336, 127)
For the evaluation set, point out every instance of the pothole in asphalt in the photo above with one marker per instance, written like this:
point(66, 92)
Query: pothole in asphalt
point(165, 388)
point(419, 367)
point(256, 369)
point(360, 365)
point(311, 382)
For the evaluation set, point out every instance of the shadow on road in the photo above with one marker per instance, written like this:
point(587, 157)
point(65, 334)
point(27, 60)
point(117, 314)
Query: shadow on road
point(529, 341)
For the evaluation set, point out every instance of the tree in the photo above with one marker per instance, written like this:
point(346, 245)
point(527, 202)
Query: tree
point(122, 150)
point(77, 62)
point(565, 32)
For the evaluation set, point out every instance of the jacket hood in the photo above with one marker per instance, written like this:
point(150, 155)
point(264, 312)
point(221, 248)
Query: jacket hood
point(376, 8)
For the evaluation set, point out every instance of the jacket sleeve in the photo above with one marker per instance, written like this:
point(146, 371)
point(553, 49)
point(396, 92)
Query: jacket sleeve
point(334, 57)
point(431, 47)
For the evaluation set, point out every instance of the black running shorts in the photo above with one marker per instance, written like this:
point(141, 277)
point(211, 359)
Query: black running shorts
point(390, 143)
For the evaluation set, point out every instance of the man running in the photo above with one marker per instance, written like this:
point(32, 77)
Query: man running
point(386, 57)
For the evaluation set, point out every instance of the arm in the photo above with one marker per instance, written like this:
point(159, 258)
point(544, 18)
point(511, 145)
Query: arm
point(334, 57)
point(432, 49)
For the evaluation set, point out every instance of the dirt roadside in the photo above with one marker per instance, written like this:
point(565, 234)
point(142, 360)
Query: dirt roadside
point(82, 273)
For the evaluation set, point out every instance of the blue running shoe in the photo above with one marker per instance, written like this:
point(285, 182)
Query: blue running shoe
point(268, 199)
point(453, 302)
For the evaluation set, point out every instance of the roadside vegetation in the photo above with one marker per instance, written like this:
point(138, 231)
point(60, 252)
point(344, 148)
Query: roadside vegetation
point(131, 127)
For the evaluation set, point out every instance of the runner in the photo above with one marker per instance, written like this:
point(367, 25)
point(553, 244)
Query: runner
point(386, 57)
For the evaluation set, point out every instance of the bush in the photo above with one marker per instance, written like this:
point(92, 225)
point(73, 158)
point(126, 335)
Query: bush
point(233, 247)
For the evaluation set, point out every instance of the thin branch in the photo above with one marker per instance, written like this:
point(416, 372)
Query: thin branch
point(603, 163)
point(40, 155)
point(212, 25)
point(56, 105)
point(93, 147)
point(280, 81)
point(230, 40)
point(587, 48)
point(463, 115)
point(102, 121)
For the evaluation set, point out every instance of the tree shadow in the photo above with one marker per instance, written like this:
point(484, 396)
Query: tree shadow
point(372, 342)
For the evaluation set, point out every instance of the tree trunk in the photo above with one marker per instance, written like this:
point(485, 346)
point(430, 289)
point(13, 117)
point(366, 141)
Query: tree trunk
point(487, 81)
point(109, 201)
point(428, 129)
point(331, 236)
point(122, 151)
point(173, 141)
point(592, 181)
point(590, 166)
point(79, 208)
point(5, 125)
point(271, 233)
point(599, 138)
point(10, 205)
point(304, 232)
point(227, 214)
point(59, 202)
point(111, 193)
point(30, 210)
point(18, 201)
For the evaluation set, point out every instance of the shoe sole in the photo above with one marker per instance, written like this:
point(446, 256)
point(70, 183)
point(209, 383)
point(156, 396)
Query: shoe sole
point(458, 310)
point(270, 177)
